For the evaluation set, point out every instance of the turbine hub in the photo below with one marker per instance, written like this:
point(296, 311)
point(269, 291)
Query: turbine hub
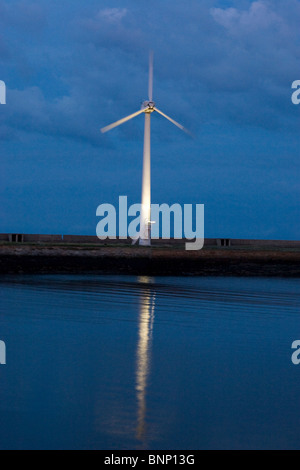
point(149, 106)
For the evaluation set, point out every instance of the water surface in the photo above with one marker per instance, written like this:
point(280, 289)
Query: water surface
point(112, 362)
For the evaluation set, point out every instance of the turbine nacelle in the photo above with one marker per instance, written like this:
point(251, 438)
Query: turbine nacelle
point(148, 106)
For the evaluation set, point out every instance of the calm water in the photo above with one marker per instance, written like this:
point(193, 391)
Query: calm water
point(114, 362)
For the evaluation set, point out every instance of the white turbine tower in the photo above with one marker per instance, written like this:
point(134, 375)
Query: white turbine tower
point(148, 108)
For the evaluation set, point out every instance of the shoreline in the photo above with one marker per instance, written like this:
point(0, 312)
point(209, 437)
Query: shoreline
point(153, 261)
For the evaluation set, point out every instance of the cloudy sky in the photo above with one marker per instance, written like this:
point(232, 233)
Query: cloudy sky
point(224, 69)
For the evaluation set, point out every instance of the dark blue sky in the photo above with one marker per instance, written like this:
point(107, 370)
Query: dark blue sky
point(223, 69)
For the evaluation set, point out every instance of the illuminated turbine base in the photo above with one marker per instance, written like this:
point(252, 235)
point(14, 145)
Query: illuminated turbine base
point(145, 230)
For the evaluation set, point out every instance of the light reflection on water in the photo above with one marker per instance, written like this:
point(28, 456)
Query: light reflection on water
point(118, 362)
point(146, 320)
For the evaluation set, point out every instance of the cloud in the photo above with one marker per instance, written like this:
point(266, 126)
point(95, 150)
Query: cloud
point(259, 16)
point(233, 66)
point(23, 15)
point(112, 15)
point(28, 111)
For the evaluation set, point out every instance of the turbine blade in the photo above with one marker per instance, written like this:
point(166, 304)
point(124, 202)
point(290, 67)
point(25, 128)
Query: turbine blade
point(121, 121)
point(150, 89)
point(174, 122)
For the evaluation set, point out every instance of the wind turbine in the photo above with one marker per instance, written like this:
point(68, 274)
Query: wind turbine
point(148, 108)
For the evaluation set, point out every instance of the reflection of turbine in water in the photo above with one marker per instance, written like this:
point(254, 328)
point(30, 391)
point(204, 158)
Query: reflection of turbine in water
point(146, 320)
